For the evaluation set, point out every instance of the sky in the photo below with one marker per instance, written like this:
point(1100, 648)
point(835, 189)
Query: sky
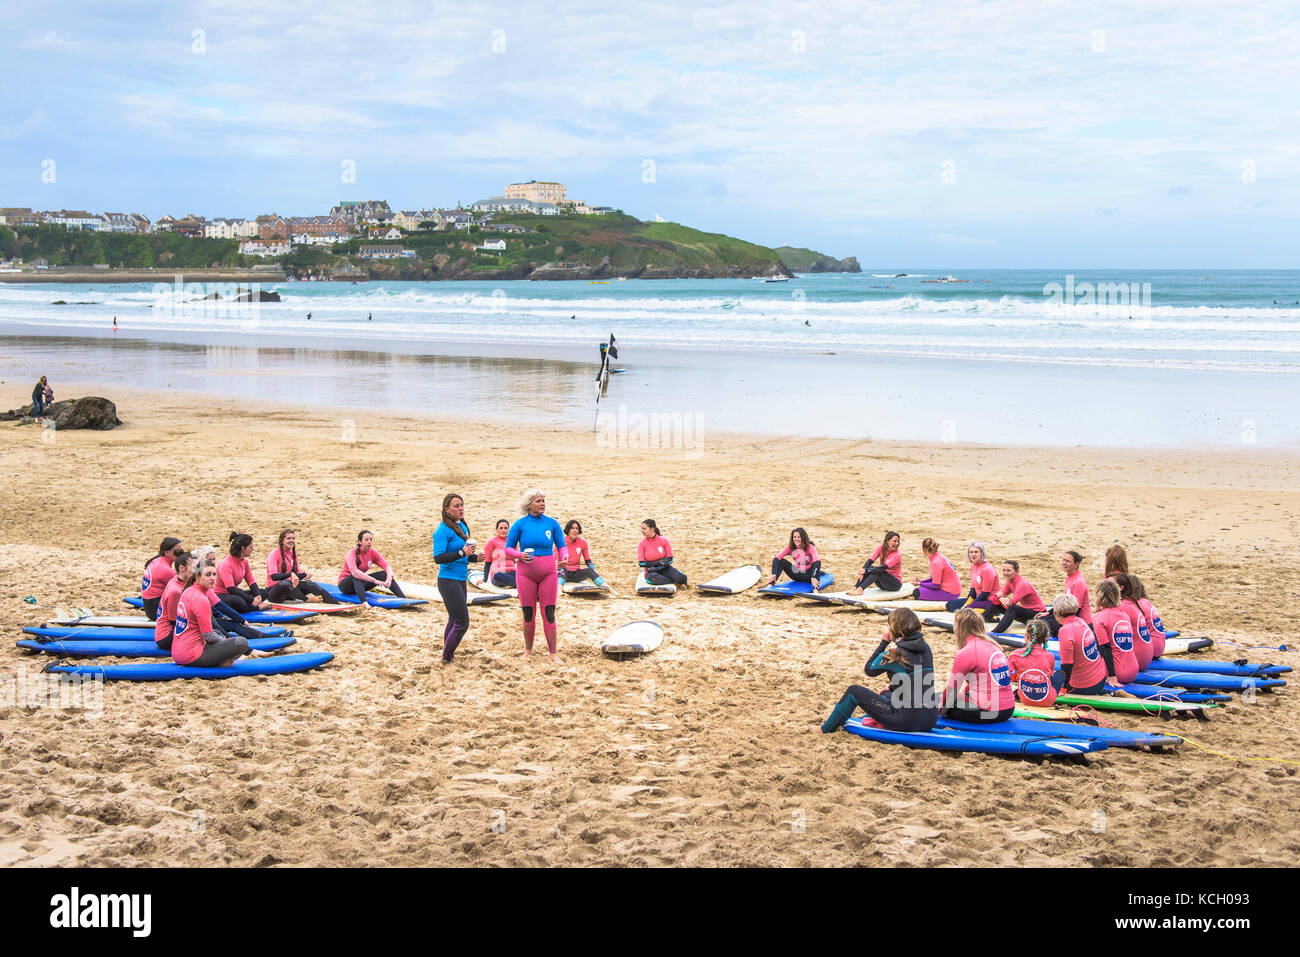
point(941, 134)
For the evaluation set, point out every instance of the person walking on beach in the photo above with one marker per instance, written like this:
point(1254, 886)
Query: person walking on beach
point(453, 550)
point(534, 541)
point(943, 583)
point(654, 554)
point(39, 404)
point(983, 580)
point(888, 575)
point(799, 560)
point(909, 703)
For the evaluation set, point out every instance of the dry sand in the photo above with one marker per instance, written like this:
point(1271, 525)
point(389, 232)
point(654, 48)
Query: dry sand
point(706, 752)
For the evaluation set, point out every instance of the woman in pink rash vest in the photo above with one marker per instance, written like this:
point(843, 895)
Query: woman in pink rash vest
point(943, 583)
point(499, 568)
point(578, 566)
point(157, 573)
point(1083, 669)
point(1154, 624)
point(979, 688)
point(355, 578)
point(163, 629)
point(198, 642)
point(1114, 632)
point(1032, 667)
point(984, 582)
point(1141, 629)
point(799, 560)
point(888, 575)
point(1019, 600)
point(235, 570)
point(1074, 585)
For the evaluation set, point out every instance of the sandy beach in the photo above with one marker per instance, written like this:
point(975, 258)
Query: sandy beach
point(706, 752)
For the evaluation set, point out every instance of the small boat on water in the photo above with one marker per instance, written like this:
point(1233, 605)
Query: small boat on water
point(777, 279)
point(598, 282)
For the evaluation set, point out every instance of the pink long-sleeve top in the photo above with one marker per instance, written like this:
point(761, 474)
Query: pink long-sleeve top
point(156, 576)
point(943, 575)
point(358, 567)
point(1023, 594)
point(1076, 586)
point(233, 572)
point(1077, 646)
point(801, 559)
point(1112, 627)
point(193, 619)
point(982, 669)
point(893, 564)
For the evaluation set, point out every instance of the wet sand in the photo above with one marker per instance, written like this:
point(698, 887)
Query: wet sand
point(705, 752)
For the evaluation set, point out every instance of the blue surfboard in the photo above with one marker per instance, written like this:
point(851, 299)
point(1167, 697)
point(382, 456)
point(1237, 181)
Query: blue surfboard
point(129, 649)
point(1114, 737)
point(253, 617)
point(785, 589)
point(77, 633)
point(376, 601)
point(948, 739)
point(169, 671)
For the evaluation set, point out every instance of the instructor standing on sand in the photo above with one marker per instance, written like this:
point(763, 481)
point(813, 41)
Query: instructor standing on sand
point(453, 550)
point(534, 541)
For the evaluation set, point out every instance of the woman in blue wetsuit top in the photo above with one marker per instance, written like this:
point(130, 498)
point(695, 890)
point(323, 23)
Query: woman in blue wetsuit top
point(535, 541)
point(453, 550)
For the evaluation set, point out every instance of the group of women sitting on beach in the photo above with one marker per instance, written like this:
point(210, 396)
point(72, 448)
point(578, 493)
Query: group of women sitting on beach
point(1116, 641)
point(199, 604)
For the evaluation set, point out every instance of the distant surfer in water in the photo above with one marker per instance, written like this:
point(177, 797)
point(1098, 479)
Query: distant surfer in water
point(798, 560)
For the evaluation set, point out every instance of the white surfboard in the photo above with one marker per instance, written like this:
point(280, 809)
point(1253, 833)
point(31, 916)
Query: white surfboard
point(917, 605)
point(477, 579)
point(316, 607)
point(634, 638)
point(643, 587)
point(587, 588)
point(734, 581)
point(66, 618)
point(944, 620)
point(870, 596)
point(430, 593)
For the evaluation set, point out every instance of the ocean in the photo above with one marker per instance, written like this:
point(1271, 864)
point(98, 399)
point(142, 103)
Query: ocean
point(1009, 357)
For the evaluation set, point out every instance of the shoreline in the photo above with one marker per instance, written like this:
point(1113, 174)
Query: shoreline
point(752, 393)
point(143, 275)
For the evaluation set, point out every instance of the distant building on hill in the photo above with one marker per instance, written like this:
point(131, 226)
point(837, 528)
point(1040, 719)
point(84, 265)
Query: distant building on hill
point(492, 246)
point(332, 227)
point(384, 252)
point(126, 223)
point(272, 226)
point(543, 191)
point(357, 212)
point(76, 219)
point(265, 247)
point(18, 216)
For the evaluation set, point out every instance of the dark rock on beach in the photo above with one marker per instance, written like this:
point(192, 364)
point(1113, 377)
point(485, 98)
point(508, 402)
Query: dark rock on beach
point(89, 412)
